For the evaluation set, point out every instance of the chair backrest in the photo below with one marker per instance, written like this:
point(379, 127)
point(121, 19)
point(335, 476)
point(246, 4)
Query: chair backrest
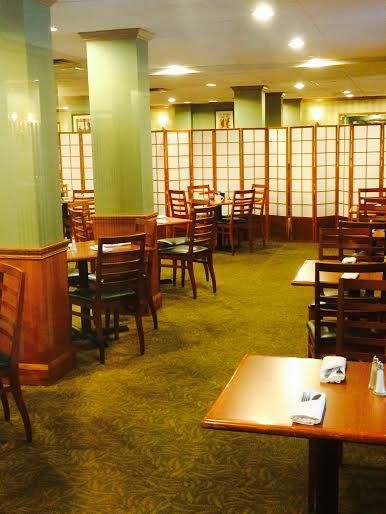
point(178, 204)
point(12, 283)
point(326, 289)
point(344, 241)
point(361, 319)
point(328, 244)
point(200, 194)
point(378, 234)
point(82, 194)
point(242, 204)
point(78, 223)
point(202, 231)
point(368, 192)
point(260, 199)
point(120, 266)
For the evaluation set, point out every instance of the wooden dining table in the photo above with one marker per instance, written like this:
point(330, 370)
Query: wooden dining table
point(305, 276)
point(263, 393)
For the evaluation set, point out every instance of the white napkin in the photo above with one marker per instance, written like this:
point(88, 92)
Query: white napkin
point(310, 408)
point(333, 369)
point(349, 260)
point(350, 276)
point(109, 247)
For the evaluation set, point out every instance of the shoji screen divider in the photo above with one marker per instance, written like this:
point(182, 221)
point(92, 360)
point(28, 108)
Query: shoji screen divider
point(228, 162)
point(71, 159)
point(345, 165)
point(177, 159)
point(158, 150)
point(278, 181)
point(203, 157)
point(383, 154)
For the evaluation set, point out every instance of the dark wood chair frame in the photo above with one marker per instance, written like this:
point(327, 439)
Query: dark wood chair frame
point(12, 285)
point(259, 208)
point(355, 238)
point(202, 234)
point(205, 192)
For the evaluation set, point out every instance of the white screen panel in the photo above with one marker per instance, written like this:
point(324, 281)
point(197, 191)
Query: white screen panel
point(202, 149)
point(277, 185)
point(325, 170)
point(301, 167)
point(366, 157)
point(254, 156)
point(344, 170)
point(69, 155)
point(178, 159)
point(158, 166)
point(228, 161)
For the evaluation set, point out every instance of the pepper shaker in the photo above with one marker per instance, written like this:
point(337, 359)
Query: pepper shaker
point(373, 372)
point(380, 383)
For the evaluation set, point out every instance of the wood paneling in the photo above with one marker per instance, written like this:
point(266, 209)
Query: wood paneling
point(46, 351)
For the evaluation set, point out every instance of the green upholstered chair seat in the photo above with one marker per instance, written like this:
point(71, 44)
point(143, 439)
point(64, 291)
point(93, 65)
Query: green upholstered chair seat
point(327, 334)
point(181, 250)
point(227, 219)
point(107, 295)
point(172, 241)
point(5, 360)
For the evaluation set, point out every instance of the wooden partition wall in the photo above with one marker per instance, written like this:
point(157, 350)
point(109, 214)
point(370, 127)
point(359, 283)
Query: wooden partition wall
point(312, 173)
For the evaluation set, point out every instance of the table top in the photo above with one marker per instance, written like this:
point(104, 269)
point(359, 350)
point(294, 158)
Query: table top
point(306, 275)
point(82, 251)
point(262, 393)
point(170, 221)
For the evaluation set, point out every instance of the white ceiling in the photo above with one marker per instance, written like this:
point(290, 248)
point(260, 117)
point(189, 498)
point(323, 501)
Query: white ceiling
point(229, 47)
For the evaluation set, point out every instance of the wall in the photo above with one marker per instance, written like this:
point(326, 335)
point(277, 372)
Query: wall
point(327, 111)
point(162, 117)
point(76, 105)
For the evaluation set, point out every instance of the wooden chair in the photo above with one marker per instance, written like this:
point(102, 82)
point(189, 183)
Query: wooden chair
point(322, 329)
point(202, 235)
point(178, 204)
point(121, 282)
point(361, 319)
point(258, 208)
point(346, 241)
point(240, 218)
point(82, 194)
point(200, 195)
point(378, 248)
point(12, 282)
point(78, 224)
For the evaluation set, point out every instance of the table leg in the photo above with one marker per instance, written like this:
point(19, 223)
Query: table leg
point(83, 282)
point(323, 476)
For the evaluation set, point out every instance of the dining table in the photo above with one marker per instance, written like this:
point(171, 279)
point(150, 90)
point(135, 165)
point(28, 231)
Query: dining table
point(264, 391)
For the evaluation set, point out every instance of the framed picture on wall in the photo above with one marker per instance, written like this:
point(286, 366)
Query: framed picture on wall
point(224, 119)
point(81, 123)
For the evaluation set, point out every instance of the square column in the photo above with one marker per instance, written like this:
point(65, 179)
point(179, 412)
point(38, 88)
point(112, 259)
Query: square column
point(249, 106)
point(274, 109)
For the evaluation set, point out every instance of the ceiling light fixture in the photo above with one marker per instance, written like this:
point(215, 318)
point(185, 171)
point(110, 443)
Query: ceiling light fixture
point(299, 85)
point(211, 85)
point(350, 95)
point(316, 62)
point(171, 100)
point(54, 29)
point(346, 92)
point(296, 43)
point(187, 102)
point(174, 70)
point(263, 12)
point(212, 101)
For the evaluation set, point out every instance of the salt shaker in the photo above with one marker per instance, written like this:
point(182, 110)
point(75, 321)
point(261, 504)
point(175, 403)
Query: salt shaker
point(380, 382)
point(373, 372)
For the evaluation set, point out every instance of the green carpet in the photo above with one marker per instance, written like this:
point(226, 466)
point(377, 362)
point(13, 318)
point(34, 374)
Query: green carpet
point(126, 437)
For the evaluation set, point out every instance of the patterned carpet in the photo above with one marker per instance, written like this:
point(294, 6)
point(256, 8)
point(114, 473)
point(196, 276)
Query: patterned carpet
point(126, 437)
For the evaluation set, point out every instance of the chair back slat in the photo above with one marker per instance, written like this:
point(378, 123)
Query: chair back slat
point(200, 194)
point(260, 199)
point(81, 194)
point(178, 204)
point(202, 231)
point(78, 221)
point(123, 265)
point(243, 203)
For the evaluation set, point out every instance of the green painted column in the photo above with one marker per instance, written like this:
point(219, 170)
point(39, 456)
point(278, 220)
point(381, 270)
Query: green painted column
point(30, 208)
point(120, 117)
point(292, 112)
point(274, 109)
point(182, 117)
point(249, 106)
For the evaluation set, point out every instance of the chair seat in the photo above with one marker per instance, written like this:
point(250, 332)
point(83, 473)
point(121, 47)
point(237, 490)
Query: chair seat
point(108, 295)
point(5, 360)
point(181, 250)
point(327, 334)
point(236, 219)
point(172, 241)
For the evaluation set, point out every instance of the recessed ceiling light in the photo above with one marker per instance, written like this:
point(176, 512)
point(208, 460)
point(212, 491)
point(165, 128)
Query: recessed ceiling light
point(263, 12)
point(174, 70)
point(346, 92)
point(211, 85)
point(77, 68)
point(316, 62)
point(54, 29)
point(187, 102)
point(212, 101)
point(296, 43)
point(350, 95)
point(171, 100)
point(299, 85)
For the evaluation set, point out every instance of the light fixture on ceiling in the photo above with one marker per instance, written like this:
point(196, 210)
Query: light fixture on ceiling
point(296, 43)
point(263, 12)
point(211, 85)
point(346, 93)
point(299, 85)
point(171, 100)
point(187, 102)
point(77, 68)
point(316, 62)
point(174, 70)
point(212, 101)
point(350, 95)
point(54, 29)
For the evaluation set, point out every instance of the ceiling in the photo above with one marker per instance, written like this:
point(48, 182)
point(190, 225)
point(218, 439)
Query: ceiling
point(221, 40)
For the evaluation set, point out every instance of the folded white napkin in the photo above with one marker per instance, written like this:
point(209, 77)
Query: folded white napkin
point(349, 260)
point(109, 247)
point(350, 276)
point(333, 369)
point(310, 408)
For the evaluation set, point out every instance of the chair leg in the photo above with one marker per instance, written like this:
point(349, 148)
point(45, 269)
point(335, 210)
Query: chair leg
point(183, 269)
point(206, 271)
point(18, 397)
point(211, 271)
point(174, 273)
point(231, 240)
point(192, 279)
point(4, 401)
point(116, 323)
point(141, 337)
point(97, 315)
point(107, 318)
point(263, 231)
point(250, 236)
point(153, 311)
